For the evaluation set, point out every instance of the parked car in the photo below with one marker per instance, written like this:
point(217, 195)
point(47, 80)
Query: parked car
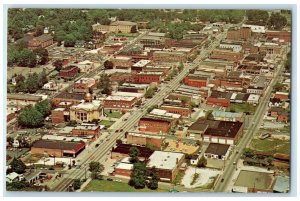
point(109, 179)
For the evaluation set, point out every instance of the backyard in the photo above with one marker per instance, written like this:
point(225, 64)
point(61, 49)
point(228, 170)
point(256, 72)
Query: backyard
point(114, 186)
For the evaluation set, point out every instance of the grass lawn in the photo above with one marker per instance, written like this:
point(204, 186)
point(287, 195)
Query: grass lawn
point(113, 186)
point(106, 123)
point(241, 107)
point(113, 114)
point(271, 146)
point(23, 70)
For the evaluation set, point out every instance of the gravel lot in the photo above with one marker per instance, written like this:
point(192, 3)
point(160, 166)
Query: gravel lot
point(206, 177)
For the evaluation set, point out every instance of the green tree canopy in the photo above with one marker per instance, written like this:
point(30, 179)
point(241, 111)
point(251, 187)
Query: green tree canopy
point(277, 21)
point(17, 166)
point(30, 117)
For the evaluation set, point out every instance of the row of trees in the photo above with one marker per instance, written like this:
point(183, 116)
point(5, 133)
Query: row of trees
point(140, 176)
point(75, 24)
point(275, 21)
point(30, 84)
point(21, 56)
point(33, 116)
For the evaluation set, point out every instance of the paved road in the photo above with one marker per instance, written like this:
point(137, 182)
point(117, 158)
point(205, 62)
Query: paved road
point(257, 118)
point(100, 153)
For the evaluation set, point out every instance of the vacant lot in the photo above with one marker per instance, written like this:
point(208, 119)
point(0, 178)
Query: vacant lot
point(271, 146)
point(23, 70)
point(260, 180)
point(113, 186)
point(241, 107)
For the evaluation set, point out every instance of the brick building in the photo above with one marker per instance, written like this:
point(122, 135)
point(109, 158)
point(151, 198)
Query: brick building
point(183, 111)
point(147, 77)
point(42, 41)
point(168, 56)
point(119, 102)
point(59, 115)
point(223, 132)
point(281, 35)
point(196, 80)
point(68, 73)
point(241, 34)
point(57, 148)
point(219, 99)
point(21, 100)
point(144, 139)
point(121, 62)
point(116, 27)
point(226, 55)
point(84, 130)
point(155, 124)
point(167, 164)
point(68, 99)
point(84, 85)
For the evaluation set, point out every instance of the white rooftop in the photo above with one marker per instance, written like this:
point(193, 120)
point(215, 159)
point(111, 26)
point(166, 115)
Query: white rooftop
point(164, 160)
point(118, 98)
point(63, 138)
point(128, 94)
point(95, 104)
point(253, 97)
point(124, 166)
point(164, 113)
point(141, 63)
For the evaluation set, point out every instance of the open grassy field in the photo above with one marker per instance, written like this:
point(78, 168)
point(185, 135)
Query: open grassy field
point(271, 146)
point(241, 107)
point(113, 186)
point(113, 114)
point(106, 123)
point(23, 70)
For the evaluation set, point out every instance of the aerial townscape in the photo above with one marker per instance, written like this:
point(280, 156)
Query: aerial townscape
point(148, 100)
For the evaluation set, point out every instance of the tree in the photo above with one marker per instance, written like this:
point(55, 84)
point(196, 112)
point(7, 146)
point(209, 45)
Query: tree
point(10, 140)
point(30, 117)
point(134, 154)
point(58, 64)
point(133, 29)
point(202, 162)
point(44, 107)
point(42, 55)
point(149, 93)
point(138, 176)
point(26, 58)
point(104, 84)
point(32, 83)
point(96, 168)
point(76, 184)
point(277, 21)
point(108, 64)
point(69, 40)
point(18, 166)
point(154, 179)
point(259, 17)
point(119, 141)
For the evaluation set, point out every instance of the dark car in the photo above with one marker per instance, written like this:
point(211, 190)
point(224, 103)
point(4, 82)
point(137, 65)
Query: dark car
point(97, 145)
point(222, 179)
point(109, 179)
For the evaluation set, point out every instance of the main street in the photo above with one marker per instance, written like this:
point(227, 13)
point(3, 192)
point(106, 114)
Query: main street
point(100, 153)
point(230, 165)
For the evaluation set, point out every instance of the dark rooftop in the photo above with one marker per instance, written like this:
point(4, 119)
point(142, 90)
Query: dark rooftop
point(218, 94)
point(43, 37)
point(224, 129)
point(125, 148)
point(217, 149)
point(57, 144)
point(71, 96)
